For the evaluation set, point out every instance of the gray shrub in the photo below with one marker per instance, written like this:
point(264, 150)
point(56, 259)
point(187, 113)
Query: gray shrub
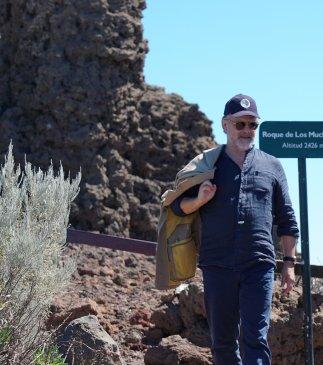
point(34, 213)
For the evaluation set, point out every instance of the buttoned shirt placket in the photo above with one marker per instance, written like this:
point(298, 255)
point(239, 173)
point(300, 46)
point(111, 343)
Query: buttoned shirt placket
point(242, 205)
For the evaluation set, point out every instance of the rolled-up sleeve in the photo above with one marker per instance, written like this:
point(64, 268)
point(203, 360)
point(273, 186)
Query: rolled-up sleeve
point(283, 209)
point(176, 204)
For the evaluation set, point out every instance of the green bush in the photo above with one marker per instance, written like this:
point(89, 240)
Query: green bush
point(34, 212)
point(5, 336)
point(50, 357)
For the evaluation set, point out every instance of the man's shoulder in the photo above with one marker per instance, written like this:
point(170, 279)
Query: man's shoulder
point(269, 163)
point(266, 157)
point(205, 159)
point(203, 163)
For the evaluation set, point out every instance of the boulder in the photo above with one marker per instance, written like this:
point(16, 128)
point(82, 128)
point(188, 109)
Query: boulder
point(66, 309)
point(85, 342)
point(167, 318)
point(175, 350)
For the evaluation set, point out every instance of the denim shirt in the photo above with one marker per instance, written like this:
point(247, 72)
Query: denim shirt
point(236, 224)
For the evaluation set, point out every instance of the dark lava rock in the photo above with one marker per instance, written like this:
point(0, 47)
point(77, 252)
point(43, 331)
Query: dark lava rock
point(72, 90)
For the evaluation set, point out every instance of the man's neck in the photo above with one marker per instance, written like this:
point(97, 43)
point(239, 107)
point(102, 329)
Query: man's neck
point(236, 155)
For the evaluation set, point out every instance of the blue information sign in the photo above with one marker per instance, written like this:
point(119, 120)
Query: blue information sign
point(292, 139)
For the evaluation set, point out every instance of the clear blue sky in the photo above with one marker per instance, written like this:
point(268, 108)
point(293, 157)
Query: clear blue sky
point(210, 50)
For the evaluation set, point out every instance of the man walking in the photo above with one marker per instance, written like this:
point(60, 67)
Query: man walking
point(238, 207)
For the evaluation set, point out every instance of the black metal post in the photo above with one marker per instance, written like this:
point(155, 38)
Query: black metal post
point(307, 297)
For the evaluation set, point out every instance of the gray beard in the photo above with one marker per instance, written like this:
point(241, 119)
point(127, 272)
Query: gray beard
point(244, 144)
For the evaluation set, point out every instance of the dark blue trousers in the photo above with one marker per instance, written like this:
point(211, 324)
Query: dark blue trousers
point(239, 300)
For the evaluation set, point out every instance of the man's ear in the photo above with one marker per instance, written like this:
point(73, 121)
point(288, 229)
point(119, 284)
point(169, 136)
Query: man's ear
point(224, 125)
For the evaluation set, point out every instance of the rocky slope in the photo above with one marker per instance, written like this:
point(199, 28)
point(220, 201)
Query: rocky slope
point(167, 327)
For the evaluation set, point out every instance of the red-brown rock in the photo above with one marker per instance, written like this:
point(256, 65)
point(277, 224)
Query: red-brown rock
point(174, 350)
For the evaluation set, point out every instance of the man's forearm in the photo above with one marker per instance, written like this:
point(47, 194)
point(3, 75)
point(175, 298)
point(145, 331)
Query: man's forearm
point(190, 205)
point(288, 245)
point(288, 271)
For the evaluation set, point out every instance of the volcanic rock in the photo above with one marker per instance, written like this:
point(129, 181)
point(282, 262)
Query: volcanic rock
point(72, 90)
point(85, 342)
point(174, 350)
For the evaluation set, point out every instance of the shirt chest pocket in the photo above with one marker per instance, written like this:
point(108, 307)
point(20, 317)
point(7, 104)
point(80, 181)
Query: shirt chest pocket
point(261, 193)
point(261, 189)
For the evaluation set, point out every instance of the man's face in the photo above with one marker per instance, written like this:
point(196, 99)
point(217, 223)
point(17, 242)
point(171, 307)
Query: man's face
point(243, 139)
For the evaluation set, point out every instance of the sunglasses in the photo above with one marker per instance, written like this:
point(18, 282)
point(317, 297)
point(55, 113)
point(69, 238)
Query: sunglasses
point(240, 125)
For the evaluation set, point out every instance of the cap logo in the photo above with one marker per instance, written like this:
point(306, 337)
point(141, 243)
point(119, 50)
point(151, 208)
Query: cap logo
point(245, 103)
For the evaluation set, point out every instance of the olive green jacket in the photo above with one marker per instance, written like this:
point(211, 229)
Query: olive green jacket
point(179, 238)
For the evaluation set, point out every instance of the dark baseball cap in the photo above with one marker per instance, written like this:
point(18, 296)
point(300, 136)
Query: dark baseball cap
point(240, 105)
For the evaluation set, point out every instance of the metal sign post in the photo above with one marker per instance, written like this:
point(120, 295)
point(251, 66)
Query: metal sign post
point(307, 297)
point(298, 140)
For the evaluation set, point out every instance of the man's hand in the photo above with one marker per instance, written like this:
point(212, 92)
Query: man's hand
point(206, 192)
point(288, 277)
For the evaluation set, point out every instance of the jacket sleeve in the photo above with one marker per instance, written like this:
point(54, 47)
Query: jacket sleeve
point(283, 210)
point(175, 205)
